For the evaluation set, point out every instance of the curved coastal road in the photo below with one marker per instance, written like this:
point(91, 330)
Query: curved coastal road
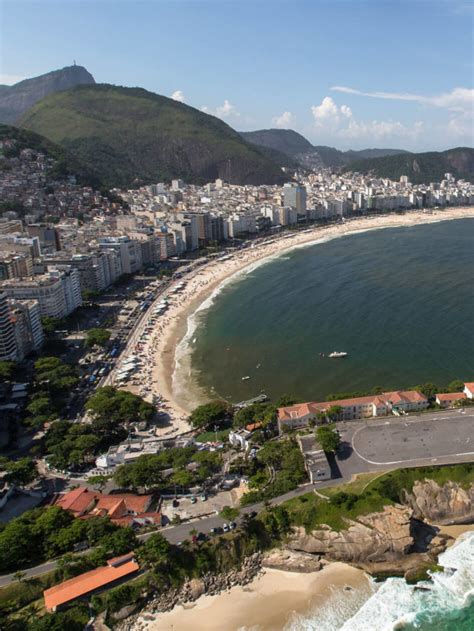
point(442, 437)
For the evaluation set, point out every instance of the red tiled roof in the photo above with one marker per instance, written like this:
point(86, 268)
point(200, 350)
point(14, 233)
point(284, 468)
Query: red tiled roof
point(470, 386)
point(77, 500)
point(450, 396)
point(87, 582)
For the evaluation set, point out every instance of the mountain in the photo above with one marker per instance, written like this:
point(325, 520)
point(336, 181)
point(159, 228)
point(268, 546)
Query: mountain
point(132, 136)
point(298, 147)
point(420, 167)
point(16, 99)
point(288, 142)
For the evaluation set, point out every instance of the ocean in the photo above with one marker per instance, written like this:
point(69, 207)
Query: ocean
point(444, 603)
point(399, 301)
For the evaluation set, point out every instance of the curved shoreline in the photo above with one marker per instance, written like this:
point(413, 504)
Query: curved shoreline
point(172, 335)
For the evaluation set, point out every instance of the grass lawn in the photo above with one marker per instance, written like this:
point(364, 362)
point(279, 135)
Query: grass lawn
point(27, 591)
point(221, 434)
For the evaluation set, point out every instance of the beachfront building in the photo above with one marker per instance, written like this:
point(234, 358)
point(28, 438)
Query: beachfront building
point(86, 584)
point(449, 399)
point(397, 403)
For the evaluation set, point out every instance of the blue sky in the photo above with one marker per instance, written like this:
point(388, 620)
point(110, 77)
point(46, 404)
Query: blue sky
point(351, 74)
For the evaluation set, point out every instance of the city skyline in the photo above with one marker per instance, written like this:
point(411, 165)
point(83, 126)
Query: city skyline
point(349, 75)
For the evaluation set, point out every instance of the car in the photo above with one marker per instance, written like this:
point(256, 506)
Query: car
point(225, 528)
point(252, 514)
point(232, 525)
point(193, 500)
point(175, 503)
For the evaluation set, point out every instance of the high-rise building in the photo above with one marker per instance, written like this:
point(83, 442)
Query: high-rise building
point(295, 197)
point(7, 330)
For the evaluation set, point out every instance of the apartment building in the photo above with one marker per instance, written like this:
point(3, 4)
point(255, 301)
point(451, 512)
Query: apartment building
point(7, 330)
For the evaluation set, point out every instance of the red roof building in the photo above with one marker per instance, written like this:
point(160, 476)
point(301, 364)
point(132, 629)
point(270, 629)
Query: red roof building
point(123, 509)
point(84, 584)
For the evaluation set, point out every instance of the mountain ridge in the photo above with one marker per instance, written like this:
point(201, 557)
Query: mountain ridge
point(421, 168)
point(18, 98)
point(299, 148)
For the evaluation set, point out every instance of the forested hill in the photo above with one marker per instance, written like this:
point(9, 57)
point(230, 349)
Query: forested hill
point(420, 167)
point(129, 136)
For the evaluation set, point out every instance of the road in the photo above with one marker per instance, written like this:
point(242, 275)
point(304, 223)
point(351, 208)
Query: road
point(442, 437)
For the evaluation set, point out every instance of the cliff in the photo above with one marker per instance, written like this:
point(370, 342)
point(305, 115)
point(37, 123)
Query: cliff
point(447, 504)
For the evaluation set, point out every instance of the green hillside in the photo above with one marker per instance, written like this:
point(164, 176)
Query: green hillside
point(129, 136)
point(420, 167)
point(66, 164)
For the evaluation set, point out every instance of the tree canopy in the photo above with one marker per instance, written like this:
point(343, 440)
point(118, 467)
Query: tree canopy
point(97, 337)
point(214, 412)
point(110, 407)
point(328, 437)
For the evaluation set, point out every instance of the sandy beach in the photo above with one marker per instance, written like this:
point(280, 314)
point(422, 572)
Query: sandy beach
point(269, 603)
point(158, 375)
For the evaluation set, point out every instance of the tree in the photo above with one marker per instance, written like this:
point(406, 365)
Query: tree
point(110, 407)
point(99, 481)
point(229, 513)
point(144, 472)
point(250, 414)
point(6, 370)
point(214, 412)
point(19, 576)
point(328, 437)
point(97, 337)
point(334, 412)
point(20, 472)
point(428, 389)
point(154, 551)
point(455, 386)
point(182, 478)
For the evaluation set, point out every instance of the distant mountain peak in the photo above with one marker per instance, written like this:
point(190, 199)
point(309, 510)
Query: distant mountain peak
point(17, 98)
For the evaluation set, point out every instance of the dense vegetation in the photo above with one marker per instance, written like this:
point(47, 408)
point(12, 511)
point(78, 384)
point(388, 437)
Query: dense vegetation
point(72, 444)
point(277, 468)
point(420, 167)
point(45, 533)
point(131, 136)
point(189, 467)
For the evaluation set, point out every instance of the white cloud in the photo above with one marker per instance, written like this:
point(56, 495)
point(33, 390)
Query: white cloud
point(339, 122)
point(458, 99)
point(227, 110)
point(178, 96)
point(284, 121)
point(10, 79)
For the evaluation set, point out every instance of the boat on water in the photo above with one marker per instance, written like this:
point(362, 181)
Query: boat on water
point(336, 354)
point(245, 378)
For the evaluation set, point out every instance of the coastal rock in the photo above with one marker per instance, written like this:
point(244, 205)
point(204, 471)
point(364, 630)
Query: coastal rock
point(292, 561)
point(447, 504)
point(375, 537)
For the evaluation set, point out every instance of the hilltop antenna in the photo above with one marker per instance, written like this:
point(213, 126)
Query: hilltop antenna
point(74, 62)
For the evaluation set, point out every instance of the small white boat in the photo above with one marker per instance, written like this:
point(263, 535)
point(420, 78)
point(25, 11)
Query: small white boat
point(336, 354)
point(245, 378)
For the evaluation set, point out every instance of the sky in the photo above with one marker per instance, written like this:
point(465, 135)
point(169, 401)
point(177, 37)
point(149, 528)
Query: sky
point(344, 73)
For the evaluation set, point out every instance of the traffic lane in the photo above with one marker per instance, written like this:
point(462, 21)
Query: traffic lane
point(406, 440)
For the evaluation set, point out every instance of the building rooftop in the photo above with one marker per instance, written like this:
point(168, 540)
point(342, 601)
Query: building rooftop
point(89, 581)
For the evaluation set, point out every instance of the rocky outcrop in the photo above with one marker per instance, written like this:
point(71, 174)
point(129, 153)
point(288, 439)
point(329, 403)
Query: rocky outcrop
point(16, 99)
point(447, 504)
point(292, 561)
point(210, 584)
point(375, 537)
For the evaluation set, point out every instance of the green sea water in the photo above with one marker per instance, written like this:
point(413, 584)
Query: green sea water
point(399, 301)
